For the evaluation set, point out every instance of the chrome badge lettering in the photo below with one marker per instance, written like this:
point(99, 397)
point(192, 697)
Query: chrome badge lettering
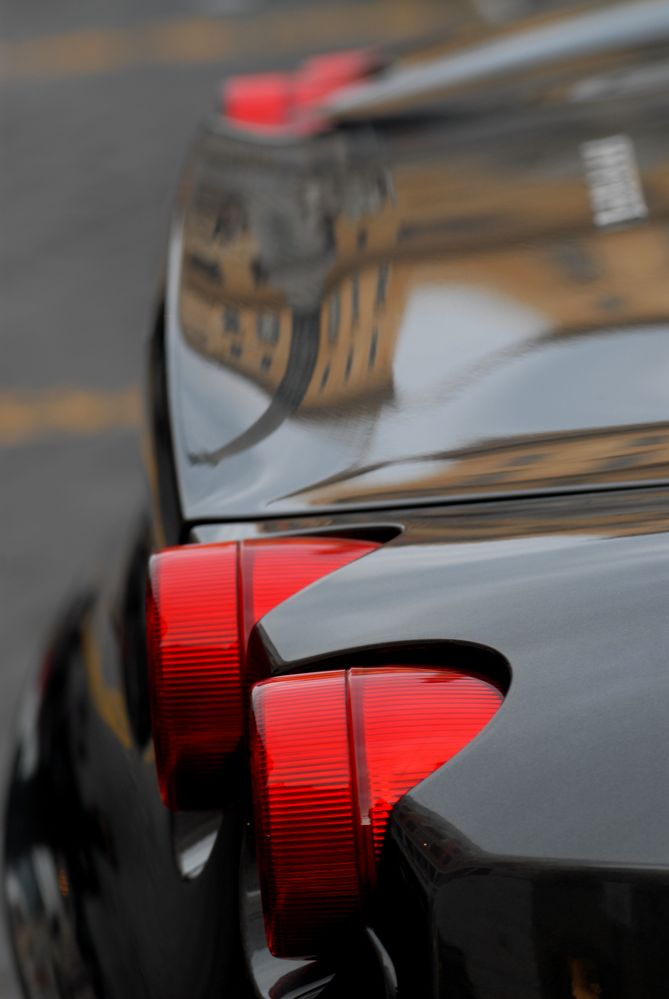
point(613, 179)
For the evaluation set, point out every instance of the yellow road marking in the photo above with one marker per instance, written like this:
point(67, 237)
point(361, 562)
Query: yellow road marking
point(29, 416)
point(209, 40)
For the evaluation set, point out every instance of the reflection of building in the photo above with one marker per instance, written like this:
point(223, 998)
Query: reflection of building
point(253, 245)
point(519, 464)
point(350, 241)
point(600, 514)
point(613, 277)
point(460, 219)
point(357, 334)
point(254, 342)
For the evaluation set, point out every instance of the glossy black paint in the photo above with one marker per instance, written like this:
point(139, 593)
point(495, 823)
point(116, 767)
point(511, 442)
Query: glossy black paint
point(560, 803)
point(567, 782)
point(582, 622)
point(409, 327)
point(431, 305)
point(96, 897)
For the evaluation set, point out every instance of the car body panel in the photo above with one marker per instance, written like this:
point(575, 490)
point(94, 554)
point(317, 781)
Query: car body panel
point(96, 899)
point(443, 326)
point(462, 301)
point(571, 591)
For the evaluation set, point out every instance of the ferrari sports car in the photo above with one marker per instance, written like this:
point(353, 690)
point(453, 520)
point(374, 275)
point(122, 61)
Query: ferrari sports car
point(374, 701)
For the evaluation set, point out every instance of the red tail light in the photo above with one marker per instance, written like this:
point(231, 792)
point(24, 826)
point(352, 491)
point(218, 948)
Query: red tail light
point(202, 603)
point(331, 754)
point(195, 680)
point(263, 100)
point(278, 100)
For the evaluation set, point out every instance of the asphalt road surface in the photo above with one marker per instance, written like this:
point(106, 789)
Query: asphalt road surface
point(97, 105)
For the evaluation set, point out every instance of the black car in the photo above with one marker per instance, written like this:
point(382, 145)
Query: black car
point(375, 701)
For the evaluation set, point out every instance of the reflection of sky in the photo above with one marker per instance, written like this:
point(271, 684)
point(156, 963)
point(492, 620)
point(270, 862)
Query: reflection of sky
point(461, 326)
point(484, 378)
point(290, 460)
point(470, 366)
point(595, 381)
point(216, 405)
point(203, 386)
point(468, 552)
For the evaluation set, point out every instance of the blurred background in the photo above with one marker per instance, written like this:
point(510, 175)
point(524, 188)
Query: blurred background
point(98, 102)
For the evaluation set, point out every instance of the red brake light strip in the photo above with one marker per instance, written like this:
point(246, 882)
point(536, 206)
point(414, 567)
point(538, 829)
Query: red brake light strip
point(202, 603)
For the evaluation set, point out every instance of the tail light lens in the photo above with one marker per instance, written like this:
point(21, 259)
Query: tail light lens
point(331, 754)
point(195, 678)
point(275, 100)
point(263, 100)
point(202, 603)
